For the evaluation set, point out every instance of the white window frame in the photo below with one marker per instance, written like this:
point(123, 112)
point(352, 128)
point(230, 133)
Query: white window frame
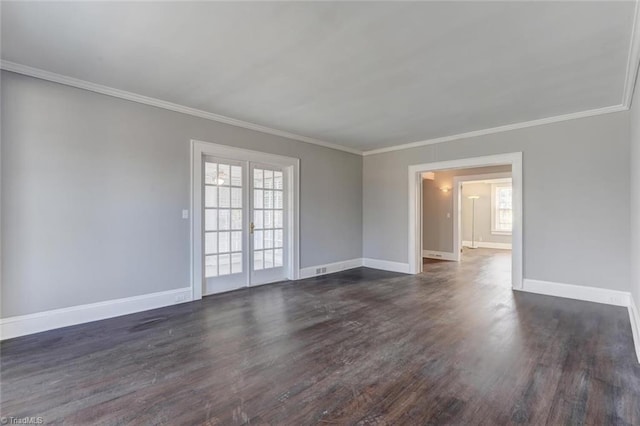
point(494, 208)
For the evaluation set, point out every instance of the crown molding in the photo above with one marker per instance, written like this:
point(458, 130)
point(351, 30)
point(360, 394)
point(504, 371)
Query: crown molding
point(500, 129)
point(633, 60)
point(134, 97)
point(122, 94)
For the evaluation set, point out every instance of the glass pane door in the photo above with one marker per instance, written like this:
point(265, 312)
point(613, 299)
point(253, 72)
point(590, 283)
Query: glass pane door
point(224, 225)
point(267, 227)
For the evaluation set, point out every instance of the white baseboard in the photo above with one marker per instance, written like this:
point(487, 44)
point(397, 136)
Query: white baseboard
point(590, 294)
point(386, 265)
point(487, 244)
point(441, 255)
point(634, 318)
point(57, 318)
point(577, 292)
point(329, 268)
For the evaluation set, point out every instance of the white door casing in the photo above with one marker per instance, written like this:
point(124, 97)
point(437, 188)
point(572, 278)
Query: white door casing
point(246, 160)
point(415, 207)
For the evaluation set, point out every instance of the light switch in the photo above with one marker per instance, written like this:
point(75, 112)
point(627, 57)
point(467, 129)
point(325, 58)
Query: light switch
point(185, 214)
point(448, 215)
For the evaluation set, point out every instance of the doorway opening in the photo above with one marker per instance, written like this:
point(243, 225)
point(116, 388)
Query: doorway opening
point(467, 210)
point(244, 218)
point(467, 216)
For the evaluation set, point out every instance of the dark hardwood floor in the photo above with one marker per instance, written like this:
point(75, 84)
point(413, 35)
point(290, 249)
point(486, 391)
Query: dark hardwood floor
point(451, 346)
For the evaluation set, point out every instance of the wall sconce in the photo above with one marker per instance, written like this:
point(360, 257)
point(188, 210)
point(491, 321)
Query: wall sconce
point(445, 189)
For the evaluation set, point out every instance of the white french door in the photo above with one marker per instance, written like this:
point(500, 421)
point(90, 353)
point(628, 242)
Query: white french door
point(244, 216)
point(267, 225)
point(225, 235)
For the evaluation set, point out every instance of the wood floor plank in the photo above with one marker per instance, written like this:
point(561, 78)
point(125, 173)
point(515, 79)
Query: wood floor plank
point(453, 345)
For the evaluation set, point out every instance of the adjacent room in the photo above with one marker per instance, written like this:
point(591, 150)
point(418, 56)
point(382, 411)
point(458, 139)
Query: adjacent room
point(467, 216)
point(327, 213)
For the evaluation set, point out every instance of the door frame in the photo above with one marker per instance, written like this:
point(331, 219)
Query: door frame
point(291, 169)
point(415, 207)
point(457, 204)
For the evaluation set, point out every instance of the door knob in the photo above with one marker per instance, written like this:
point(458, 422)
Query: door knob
point(251, 227)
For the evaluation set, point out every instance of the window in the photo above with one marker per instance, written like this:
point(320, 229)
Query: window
point(222, 219)
point(501, 209)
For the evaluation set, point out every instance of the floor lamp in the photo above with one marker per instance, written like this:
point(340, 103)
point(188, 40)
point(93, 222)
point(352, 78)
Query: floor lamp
point(473, 199)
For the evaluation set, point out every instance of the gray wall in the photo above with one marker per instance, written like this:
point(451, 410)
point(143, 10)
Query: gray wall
point(437, 221)
point(635, 197)
point(93, 188)
point(575, 169)
point(437, 206)
point(482, 216)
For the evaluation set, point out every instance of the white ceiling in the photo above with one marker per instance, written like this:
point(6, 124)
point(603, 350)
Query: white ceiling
point(365, 75)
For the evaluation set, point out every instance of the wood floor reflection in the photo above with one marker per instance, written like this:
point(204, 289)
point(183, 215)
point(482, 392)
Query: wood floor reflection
point(453, 345)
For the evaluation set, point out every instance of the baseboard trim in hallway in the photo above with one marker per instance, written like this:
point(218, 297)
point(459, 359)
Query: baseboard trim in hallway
point(386, 265)
point(488, 244)
point(439, 255)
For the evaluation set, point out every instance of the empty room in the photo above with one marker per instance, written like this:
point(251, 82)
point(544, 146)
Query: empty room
point(320, 213)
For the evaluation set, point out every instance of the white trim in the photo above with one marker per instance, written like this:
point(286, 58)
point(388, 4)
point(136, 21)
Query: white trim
point(329, 268)
point(497, 177)
point(489, 245)
point(386, 265)
point(577, 292)
point(490, 181)
point(457, 202)
point(634, 319)
point(415, 206)
point(590, 294)
point(80, 314)
point(500, 129)
point(494, 207)
point(130, 96)
point(632, 60)
point(134, 97)
point(291, 168)
point(440, 255)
